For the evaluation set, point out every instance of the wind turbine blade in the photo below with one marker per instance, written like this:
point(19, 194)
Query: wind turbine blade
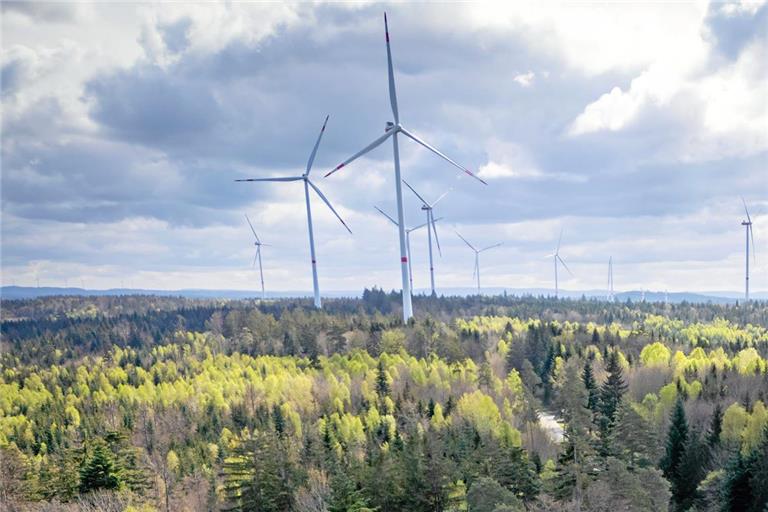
point(416, 193)
point(474, 269)
point(253, 230)
point(290, 178)
point(393, 221)
point(434, 230)
point(558, 241)
point(317, 144)
point(441, 197)
point(746, 210)
point(363, 151)
point(564, 265)
point(325, 200)
point(491, 247)
point(255, 256)
point(392, 94)
point(441, 155)
point(414, 228)
point(465, 241)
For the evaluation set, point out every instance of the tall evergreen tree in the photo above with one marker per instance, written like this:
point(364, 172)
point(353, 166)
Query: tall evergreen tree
point(612, 390)
point(715, 426)
point(593, 396)
point(99, 470)
point(382, 384)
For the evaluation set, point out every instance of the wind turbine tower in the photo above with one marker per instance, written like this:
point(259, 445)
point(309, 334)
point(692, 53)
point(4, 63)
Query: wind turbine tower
point(750, 236)
point(555, 259)
point(431, 228)
point(611, 295)
point(392, 129)
point(307, 185)
point(476, 272)
point(257, 256)
point(408, 232)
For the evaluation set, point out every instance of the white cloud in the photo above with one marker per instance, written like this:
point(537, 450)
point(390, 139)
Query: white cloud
point(510, 160)
point(525, 79)
point(724, 112)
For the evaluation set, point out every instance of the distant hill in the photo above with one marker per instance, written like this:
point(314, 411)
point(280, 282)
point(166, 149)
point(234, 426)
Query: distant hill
point(720, 297)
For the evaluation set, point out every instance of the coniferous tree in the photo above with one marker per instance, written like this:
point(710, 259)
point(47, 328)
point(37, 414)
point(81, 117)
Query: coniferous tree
point(382, 384)
point(99, 470)
point(715, 426)
point(593, 398)
point(612, 390)
point(690, 472)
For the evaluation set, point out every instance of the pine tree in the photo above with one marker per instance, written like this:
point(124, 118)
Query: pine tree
point(677, 463)
point(99, 471)
point(588, 377)
point(613, 389)
point(715, 426)
point(260, 475)
point(382, 384)
point(690, 472)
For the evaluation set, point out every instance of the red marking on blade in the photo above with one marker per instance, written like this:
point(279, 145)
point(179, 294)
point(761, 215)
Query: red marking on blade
point(387, 34)
point(314, 261)
point(404, 259)
point(339, 167)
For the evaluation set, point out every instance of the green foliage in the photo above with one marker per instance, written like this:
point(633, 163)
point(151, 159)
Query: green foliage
point(99, 470)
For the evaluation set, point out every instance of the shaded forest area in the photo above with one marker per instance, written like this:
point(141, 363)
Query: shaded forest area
point(156, 403)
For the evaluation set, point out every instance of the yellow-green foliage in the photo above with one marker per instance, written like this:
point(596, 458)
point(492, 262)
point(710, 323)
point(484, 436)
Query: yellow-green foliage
point(192, 376)
point(655, 354)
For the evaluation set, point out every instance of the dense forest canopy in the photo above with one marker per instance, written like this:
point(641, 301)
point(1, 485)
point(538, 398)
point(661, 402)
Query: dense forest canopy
point(478, 404)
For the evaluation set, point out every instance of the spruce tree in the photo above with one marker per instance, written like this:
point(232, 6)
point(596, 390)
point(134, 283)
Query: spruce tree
point(612, 390)
point(715, 426)
point(99, 470)
point(382, 384)
point(593, 398)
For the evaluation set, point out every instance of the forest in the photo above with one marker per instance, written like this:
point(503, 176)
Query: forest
point(478, 404)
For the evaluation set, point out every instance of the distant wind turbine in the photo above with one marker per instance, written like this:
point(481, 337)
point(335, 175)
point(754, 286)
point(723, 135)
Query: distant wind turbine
point(428, 207)
point(611, 295)
point(750, 237)
point(476, 272)
point(556, 257)
point(408, 232)
point(257, 256)
point(391, 130)
point(307, 184)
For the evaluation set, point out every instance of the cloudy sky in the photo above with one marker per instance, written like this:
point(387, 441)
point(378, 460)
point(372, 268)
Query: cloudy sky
point(634, 127)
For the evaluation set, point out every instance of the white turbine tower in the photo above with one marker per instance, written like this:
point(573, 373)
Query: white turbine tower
point(257, 256)
point(750, 236)
point(611, 296)
point(307, 184)
point(392, 130)
point(408, 232)
point(556, 257)
point(428, 207)
point(476, 272)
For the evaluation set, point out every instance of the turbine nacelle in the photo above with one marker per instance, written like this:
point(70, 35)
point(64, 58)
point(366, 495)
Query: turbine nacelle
point(389, 126)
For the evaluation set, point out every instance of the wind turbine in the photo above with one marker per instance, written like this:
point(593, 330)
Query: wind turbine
point(258, 245)
point(392, 130)
point(556, 257)
point(750, 236)
point(476, 272)
point(408, 241)
point(307, 184)
point(611, 296)
point(431, 228)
